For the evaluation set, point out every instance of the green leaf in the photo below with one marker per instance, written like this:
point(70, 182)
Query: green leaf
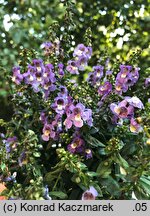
point(104, 169)
point(3, 166)
point(129, 149)
point(36, 154)
point(3, 92)
point(92, 174)
point(139, 193)
point(93, 141)
point(112, 186)
point(101, 151)
point(121, 161)
point(97, 187)
point(82, 166)
point(94, 130)
point(144, 182)
point(59, 194)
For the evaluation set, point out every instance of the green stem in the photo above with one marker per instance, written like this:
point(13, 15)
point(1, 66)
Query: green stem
point(56, 181)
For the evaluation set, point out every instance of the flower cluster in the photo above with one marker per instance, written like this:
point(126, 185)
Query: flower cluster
point(17, 76)
point(77, 115)
point(39, 76)
point(10, 143)
point(51, 48)
point(105, 89)
point(126, 78)
point(81, 55)
point(51, 129)
point(78, 145)
point(74, 114)
point(125, 110)
point(71, 115)
point(95, 76)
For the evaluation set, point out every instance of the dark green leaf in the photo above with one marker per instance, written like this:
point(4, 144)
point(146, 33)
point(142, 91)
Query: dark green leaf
point(59, 194)
point(121, 161)
point(93, 141)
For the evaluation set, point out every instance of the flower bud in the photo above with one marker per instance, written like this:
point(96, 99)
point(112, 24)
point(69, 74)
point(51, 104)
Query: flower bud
point(148, 142)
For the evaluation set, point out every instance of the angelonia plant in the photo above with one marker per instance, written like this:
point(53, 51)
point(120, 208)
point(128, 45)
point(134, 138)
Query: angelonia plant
point(78, 131)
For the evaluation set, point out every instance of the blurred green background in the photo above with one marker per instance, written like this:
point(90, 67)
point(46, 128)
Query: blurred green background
point(118, 26)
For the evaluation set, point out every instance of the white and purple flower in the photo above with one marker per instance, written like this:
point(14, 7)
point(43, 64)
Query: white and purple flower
point(135, 101)
point(122, 109)
point(17, 76)
point(147, 82)
point(90, 194)
point(126, 78)
point(105, 89)
point(77, 145)
point(76, 115)
point(61, 70)
point(72, 67)
point(48, 132)
point(134, 126)
point(59, 104)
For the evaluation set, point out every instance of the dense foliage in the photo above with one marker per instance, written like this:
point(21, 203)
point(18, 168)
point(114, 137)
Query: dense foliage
point(80, 127)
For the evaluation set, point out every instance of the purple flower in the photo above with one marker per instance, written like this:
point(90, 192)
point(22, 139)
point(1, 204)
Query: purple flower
point(125, 68)
point(109, 72)
point(47, 45)
point(43, 117)
point(59, 105)
point(76, 115)
point(48, 132)
point(88, 153)
point(119, 88)
point(22, 159)
point(10, 144)
point(48, 48)
point(95, 76)
point(133, 77)
point(91, 78)
point(29, 76)
point(39, 69)
point(126, 78)
point(72, 67)
point(17, 76)
point(49, 72)
point(38, 63)
point(48, 85)
point(90, 194)
point(63, 92)
point(135, 101)
point(10, 178)
point(122, 76)
point(117, 121)
point(76, 146)
point(49, 80)
point(147, 82)
point(82, 62)
point(82, 50)
point(122, 110)
point(60, 70)
point(82, 54)
point(98, 71)
point(134, 126)
point(105, 89)
point(52, 129)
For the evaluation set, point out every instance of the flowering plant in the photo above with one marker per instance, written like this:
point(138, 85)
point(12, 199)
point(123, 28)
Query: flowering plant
point(78, 132)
